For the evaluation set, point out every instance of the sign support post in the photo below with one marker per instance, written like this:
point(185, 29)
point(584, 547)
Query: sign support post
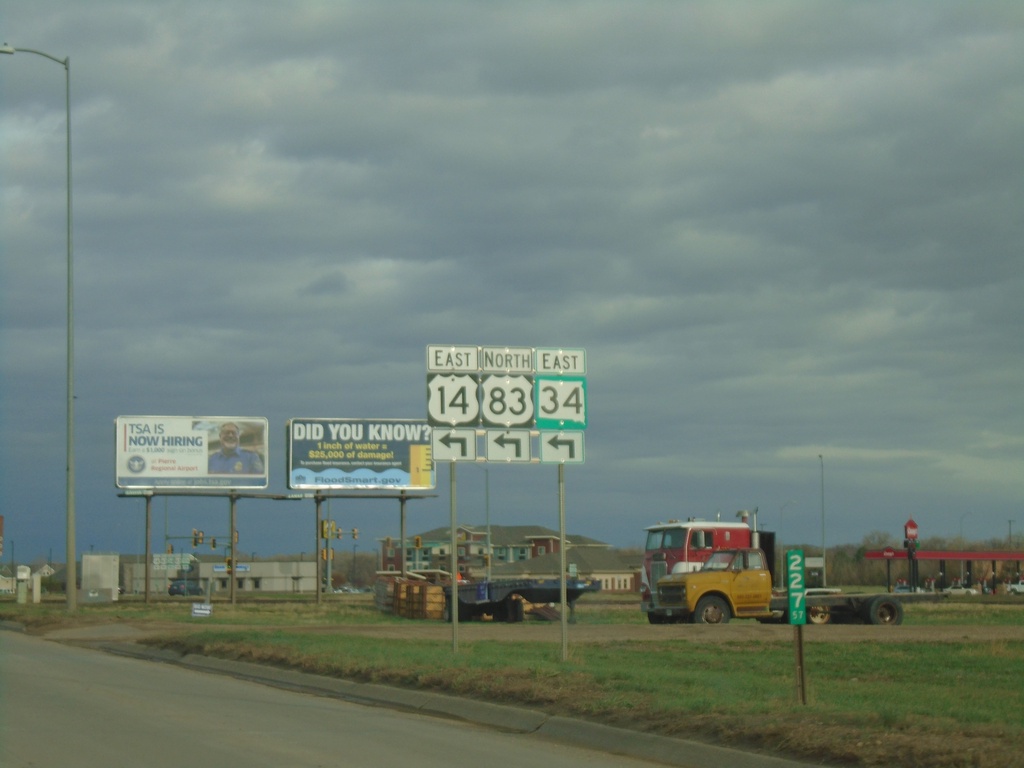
point(562, 558)
point(316, 550)
point(454, 564)
point(232, 570)
point(508, 396)
point(149, 545)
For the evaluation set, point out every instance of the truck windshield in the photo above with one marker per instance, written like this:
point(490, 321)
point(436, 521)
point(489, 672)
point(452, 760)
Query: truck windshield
point(671, 538)
point(719, 561)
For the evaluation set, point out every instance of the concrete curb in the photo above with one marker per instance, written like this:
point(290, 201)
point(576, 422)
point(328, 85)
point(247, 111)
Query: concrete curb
point(563, 730)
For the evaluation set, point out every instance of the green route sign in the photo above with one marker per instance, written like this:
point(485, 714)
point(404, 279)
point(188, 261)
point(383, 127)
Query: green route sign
point(797, 586)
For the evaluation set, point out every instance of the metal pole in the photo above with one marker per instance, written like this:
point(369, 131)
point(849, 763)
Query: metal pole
point(328, 553)
point(454, 565)
point(72, 566)
point(316, 549)
point(824, 580)
point(487, 511)
point(780, 548)
point(801, 681)
point(149, 546)
point(562, 564)
point(401, 533)
point(231, 548)
point(71, 557)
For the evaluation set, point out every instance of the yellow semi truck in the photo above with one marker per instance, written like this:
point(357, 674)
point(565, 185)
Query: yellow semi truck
point(737, 583)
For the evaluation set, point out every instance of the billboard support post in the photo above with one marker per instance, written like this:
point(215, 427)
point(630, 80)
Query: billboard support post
point(149, 545)
point(401, 529)
point(316, 548)
point(232, 527)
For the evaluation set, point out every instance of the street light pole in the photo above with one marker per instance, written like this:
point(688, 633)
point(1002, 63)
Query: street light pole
point(824, 581)
point(71, 565)
point(779, 546)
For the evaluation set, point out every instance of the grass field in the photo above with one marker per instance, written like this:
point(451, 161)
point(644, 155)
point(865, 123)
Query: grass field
point(912, 702)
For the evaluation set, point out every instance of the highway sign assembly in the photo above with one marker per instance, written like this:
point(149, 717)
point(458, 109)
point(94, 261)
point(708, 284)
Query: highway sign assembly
point(531, 394)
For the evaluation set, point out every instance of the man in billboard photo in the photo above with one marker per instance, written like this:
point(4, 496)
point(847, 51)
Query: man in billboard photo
point(231, 458)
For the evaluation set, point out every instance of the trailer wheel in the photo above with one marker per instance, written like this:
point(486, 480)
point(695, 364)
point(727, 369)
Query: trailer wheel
point(883, 609)
point(819, 614)
point(712, 610)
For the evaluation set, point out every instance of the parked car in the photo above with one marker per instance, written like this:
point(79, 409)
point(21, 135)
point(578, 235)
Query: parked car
point(184, 587)
point(960, 591)
point(1015, 589)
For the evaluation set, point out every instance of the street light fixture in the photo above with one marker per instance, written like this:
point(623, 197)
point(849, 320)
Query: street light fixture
point(71, 565)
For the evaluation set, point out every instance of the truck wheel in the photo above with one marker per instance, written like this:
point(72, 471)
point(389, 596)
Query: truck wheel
point(712, 610)
point(883, 609)
point(819, 614)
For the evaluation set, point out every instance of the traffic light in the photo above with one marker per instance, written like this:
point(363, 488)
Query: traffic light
point(355, 533)
point(170, 549)
point(236, 536)
point(200, 537)
point(213, 543)
point(417, 541)
point(228, 562)
point(195, 538)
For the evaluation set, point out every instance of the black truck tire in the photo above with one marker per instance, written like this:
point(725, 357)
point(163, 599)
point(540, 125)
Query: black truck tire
point(712, 610)
point(883, 609)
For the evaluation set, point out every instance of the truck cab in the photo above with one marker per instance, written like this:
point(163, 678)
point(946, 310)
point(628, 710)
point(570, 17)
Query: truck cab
point(679, 546)
point(732, 582)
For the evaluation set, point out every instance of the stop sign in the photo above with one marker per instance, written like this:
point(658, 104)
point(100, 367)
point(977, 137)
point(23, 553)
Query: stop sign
point(910, 530)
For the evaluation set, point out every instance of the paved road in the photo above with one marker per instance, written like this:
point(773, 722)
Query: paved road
point(62, 704)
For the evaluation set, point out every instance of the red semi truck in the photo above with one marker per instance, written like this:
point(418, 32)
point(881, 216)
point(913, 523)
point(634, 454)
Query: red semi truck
point(679, 546)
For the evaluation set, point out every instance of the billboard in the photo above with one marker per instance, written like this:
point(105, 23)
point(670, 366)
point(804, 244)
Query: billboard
point(191, 452)
point(359, 454)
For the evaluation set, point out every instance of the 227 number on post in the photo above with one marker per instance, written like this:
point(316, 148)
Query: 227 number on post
point(797, 586)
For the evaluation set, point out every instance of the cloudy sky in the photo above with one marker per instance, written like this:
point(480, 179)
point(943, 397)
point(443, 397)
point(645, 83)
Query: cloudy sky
point(779, 230)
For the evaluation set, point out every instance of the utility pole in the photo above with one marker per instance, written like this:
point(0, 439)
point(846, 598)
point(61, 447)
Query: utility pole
point(824, 581)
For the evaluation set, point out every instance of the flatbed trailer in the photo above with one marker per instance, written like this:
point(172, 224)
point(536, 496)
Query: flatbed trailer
point(498, 598)
point(853, 608)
